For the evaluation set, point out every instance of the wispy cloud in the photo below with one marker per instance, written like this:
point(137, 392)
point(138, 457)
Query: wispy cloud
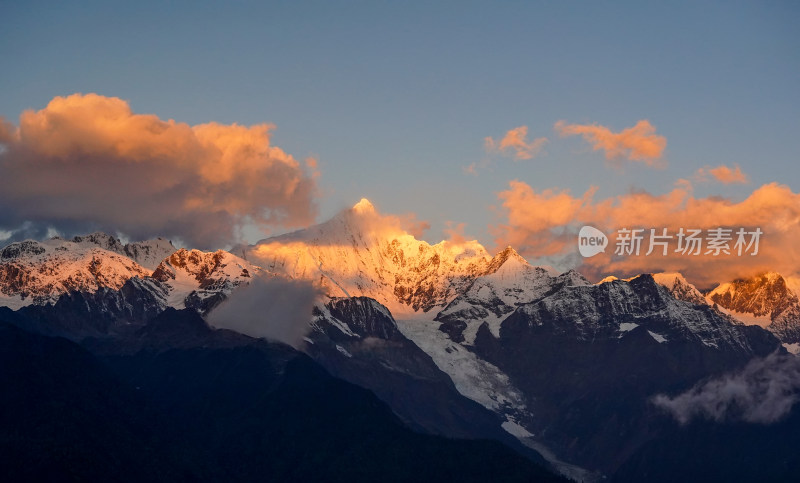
point(516, 143)
point(763, 392)
point(513, 144)
point(455, 232)
point(639, 143)
point(722, 174)
point(472, 168)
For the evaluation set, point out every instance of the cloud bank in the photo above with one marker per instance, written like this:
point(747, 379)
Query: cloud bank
point(88, 162)
point(763, 392)
point(545, 224)
point(639, 143)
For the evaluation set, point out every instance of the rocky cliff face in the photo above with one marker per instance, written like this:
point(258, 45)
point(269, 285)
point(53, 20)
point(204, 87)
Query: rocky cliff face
point(102, 272)
point(765, 300)
point(508, 282)
point(201, 280)
point(40, 272)
point(358, 340)
point(588, 358)
point(680, 288)
point(147, 253)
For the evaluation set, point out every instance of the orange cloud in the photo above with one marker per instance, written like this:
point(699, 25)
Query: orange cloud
point(88, 161)
point(545, 224)
point(411, 225)
point(516, 141)
point(637, 143)
point(455, 232)
point(723, 174)
point(533, 217)
point(472, 169)
point(7, 132)
point(365, 218)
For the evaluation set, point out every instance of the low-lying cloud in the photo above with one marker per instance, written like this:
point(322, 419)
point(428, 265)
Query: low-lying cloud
point(88, 162)
point(274, 308)
point(639, 143)
point(763, 392)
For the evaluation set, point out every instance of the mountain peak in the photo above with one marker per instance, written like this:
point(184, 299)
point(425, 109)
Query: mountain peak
point(103, 240)
point(149, 253)
point(364, 206)
point(669, 279)
point(773, 277)
point(40, 272)
point(679, 287)
point(362, 252)
point(765, 294)
point(506, 255)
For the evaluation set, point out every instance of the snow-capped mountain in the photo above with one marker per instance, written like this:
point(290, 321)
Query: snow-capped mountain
point(359, 252)
point(562, 364)
point(358, 340)
point(674, 282)
point(147, 253)
point(40, 272)
point(614, 309)
point(200, 280)
point(459, 289)
point(508, 282)
point(766, 300)
point(587, 357)
point(680, 288)
point(482, 318)
point(33, 272)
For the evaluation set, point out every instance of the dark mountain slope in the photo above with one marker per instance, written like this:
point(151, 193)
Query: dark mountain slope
point(229, 408)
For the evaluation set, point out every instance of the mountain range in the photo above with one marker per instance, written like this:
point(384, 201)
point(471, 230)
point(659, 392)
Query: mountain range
point(558, 372)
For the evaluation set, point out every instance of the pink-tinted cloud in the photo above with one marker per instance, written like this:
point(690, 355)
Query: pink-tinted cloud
point(639, 143)
point(413, 226)
point(7, 132)
point(515, 142)
point(455, 232)
point(365, 218)
point(533, 216)
point(722, 174)
point(88, 161)
point(472, 169)
point(545, 224)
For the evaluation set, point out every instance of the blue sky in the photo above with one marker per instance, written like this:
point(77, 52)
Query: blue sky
point(396, 98)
